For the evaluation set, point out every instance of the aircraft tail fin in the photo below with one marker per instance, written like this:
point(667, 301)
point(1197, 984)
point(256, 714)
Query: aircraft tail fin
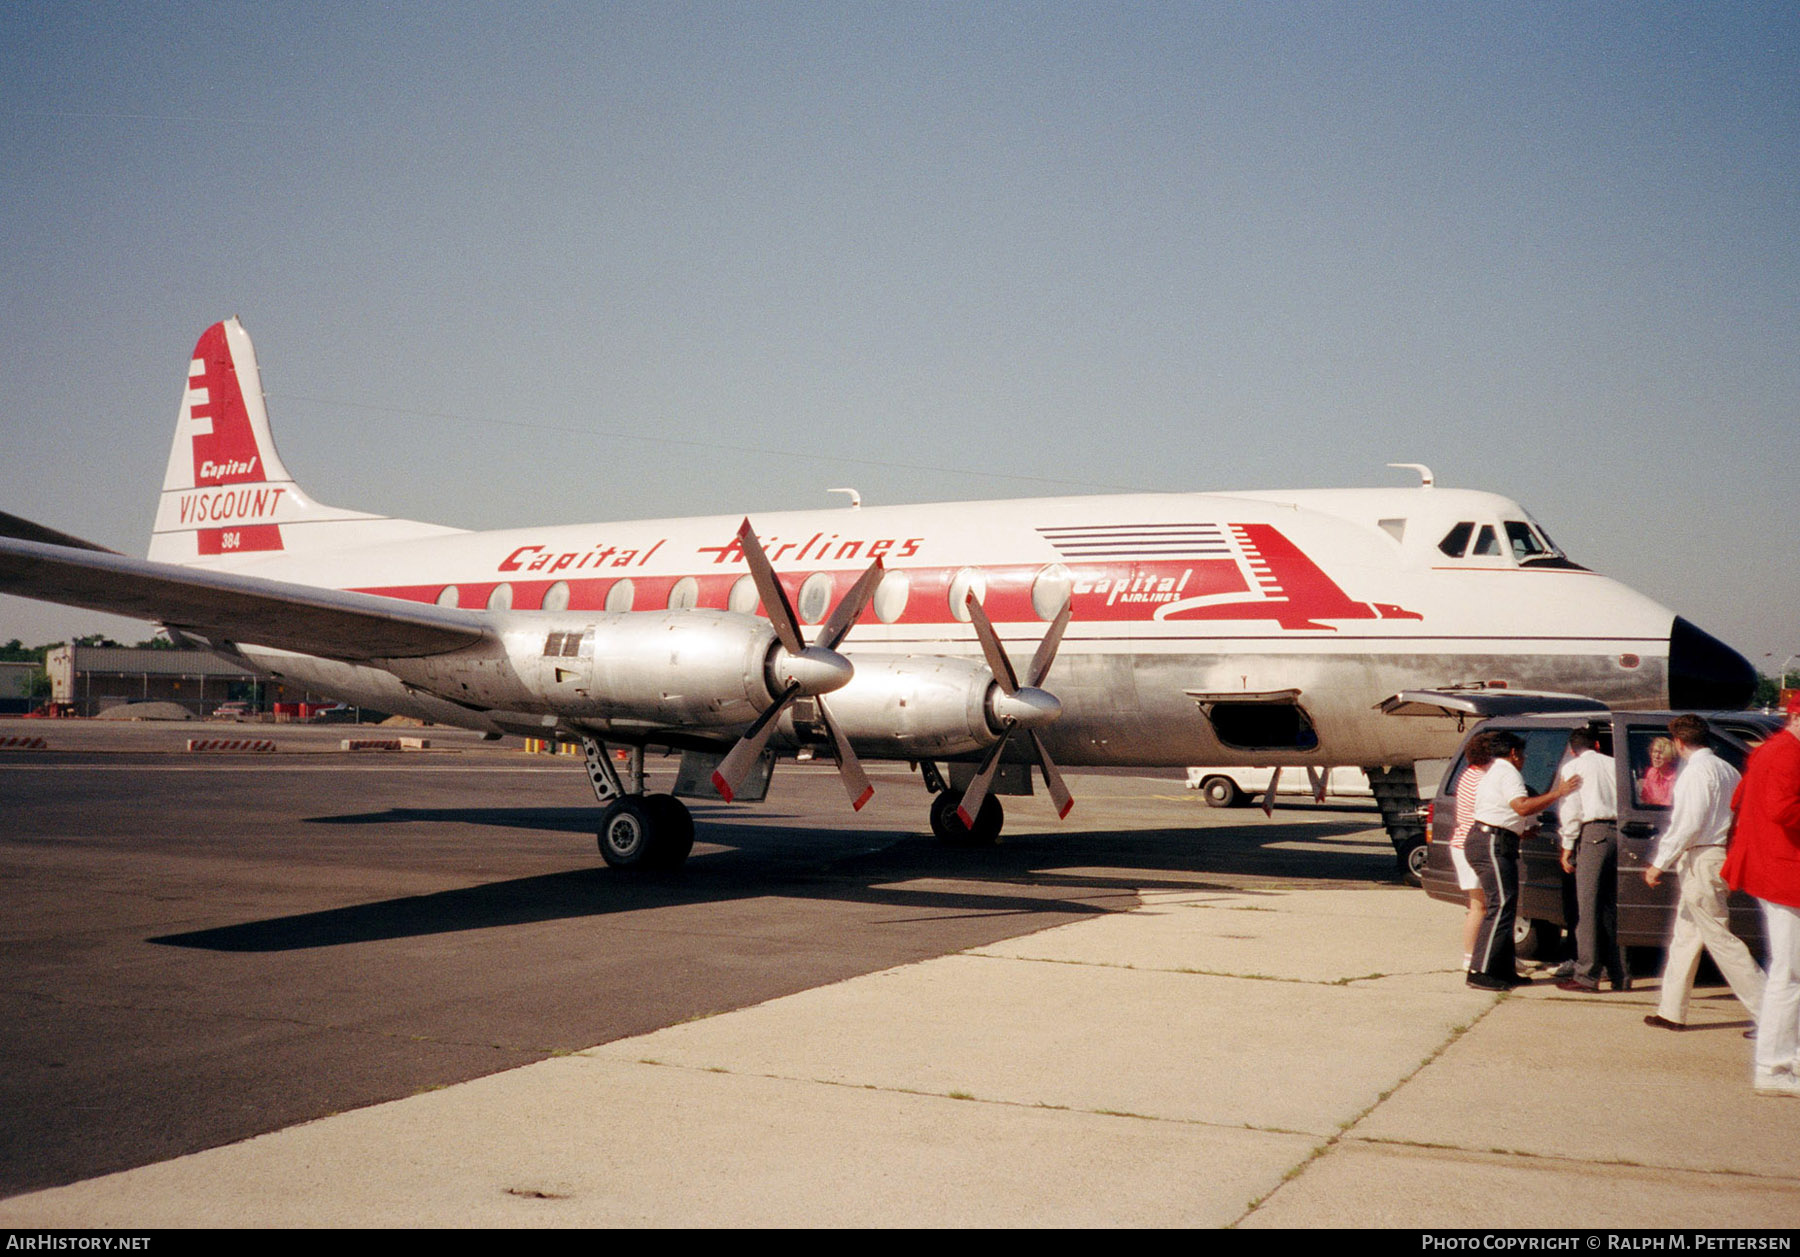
point(226, 492)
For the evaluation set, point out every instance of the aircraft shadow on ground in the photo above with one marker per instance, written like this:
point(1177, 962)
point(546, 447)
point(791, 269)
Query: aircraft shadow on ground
point(1064, 874)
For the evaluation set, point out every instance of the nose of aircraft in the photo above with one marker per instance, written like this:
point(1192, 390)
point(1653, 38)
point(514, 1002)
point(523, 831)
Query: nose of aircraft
point(1705, 673)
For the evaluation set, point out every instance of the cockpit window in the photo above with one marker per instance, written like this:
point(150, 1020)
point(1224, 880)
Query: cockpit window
point(1457, 539)
point(1487, 542)
point(1526, 544)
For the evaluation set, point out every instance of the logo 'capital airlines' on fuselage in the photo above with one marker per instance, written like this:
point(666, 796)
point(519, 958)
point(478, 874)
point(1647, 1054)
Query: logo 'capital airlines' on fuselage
point(1205, 571)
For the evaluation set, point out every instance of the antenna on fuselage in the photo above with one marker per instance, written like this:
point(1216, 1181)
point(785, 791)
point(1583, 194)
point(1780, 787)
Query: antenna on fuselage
point(855, 497)
point(1425, 477)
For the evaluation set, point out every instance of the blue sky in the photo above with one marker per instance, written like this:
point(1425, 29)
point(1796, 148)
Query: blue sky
point(548, 263)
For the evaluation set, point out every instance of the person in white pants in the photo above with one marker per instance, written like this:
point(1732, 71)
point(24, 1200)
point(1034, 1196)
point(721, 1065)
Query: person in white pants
point(1694, 844)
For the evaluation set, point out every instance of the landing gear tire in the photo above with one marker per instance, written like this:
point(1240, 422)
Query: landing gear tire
point(948, 826)
point(653, 831)
point(1220, 792)
point(1411, 857)
point(672, 830)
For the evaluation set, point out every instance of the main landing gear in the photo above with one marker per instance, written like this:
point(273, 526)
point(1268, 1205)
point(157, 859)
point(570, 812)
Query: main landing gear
point(637, 830)
point(947, 826)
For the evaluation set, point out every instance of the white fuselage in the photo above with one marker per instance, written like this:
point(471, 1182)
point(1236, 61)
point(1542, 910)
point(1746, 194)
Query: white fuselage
point(1342, 597)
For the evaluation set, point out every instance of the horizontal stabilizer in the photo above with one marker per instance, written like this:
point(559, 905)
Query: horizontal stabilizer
point(223, 606)
point(25, 530)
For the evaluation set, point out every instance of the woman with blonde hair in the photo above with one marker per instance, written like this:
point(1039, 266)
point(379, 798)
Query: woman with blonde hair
point(1656, 788)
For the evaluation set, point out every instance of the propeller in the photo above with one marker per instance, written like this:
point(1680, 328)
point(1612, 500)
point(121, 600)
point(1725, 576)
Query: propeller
point(801, 671)
point(1017, 707)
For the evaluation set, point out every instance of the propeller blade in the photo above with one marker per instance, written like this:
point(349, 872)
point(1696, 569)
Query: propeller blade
point(856, 781)
point(737, 762)
point(1046, 651)
point(850, 609)
point(977, 793)
point(997, 661)
point(1053, 782)
point(768, 587)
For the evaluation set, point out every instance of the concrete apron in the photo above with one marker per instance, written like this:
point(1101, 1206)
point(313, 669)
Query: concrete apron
point(1264, 1058)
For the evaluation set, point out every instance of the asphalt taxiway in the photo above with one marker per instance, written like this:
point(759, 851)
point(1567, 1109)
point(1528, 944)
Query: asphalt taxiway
point(319, 988)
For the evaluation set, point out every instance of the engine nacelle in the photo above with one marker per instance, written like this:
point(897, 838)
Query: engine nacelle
point(690, 669)
point(904, 707)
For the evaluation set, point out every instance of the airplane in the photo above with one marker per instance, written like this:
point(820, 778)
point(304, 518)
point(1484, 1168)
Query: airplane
point(1165, 629)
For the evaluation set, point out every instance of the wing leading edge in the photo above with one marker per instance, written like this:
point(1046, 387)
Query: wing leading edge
point(223, 606)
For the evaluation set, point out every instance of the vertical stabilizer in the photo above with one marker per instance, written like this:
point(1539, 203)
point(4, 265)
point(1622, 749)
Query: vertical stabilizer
point(226, 492)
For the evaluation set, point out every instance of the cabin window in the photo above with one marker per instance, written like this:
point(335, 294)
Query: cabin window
point(556, 598)
point(815, 597)
point(500, 599)
point(1050, 591)
point(685, 595)
point(967, 581)
point(448, 595)
point(743, 598)
point(1526, 544)
point(1456, 541)
point(621, 595)
point(891, 595)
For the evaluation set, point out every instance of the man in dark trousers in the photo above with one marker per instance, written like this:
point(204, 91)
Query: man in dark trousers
point(1590, 850)
point(1503, 810)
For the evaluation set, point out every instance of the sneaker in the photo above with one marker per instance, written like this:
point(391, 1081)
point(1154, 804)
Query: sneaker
point(1565, 970)
point(1578, 986)
point(1775, 1082)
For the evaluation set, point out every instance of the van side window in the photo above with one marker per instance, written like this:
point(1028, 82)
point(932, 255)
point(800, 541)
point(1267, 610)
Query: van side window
point(1544, 751)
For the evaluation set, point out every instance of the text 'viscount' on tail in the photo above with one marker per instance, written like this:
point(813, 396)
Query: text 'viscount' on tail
point(226, 494)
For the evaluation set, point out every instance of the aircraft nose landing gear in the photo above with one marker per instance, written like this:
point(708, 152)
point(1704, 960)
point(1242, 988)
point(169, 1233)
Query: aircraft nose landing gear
point(637, 830)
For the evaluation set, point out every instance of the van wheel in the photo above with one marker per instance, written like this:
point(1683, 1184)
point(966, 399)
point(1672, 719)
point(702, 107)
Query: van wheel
point(1412, 861)
point(1220, 792)
point(1533, 940)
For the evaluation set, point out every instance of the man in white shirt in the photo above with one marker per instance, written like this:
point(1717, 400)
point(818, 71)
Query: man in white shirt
point(1694, 844)
point(1503, 811)
point(1590, 850)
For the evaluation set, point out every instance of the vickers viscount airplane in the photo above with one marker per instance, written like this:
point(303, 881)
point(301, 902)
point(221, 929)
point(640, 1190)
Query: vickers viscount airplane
point(1164, 629)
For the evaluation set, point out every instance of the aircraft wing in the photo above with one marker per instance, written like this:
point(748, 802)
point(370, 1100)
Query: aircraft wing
point(224, 606)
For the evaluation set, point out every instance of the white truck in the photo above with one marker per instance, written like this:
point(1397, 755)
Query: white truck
point(1228, 787)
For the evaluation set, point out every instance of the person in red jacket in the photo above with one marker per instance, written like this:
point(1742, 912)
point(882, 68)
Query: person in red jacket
point(1764, 861)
